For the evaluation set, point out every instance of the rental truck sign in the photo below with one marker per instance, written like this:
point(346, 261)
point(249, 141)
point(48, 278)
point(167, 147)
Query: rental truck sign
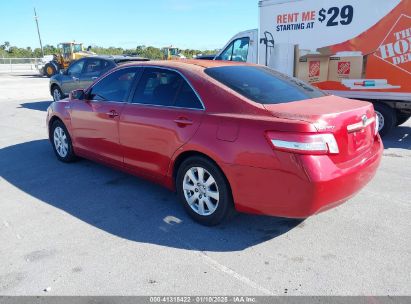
point(333, 16)
point(339, 45)
point(295, 21)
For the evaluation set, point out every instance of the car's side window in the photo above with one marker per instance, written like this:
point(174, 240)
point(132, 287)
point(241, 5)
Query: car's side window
point(76, 68)
point(163, 87)
point(93, 67)
point(157, 87)
point(115, 86)
point(228, 52)
point(187, 98)
point(106, 66)
point(236, 51)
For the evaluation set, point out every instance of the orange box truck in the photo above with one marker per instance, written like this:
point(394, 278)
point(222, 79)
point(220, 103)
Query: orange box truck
point(352, 48)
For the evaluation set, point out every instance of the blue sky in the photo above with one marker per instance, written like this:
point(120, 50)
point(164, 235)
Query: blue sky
point(198, 24)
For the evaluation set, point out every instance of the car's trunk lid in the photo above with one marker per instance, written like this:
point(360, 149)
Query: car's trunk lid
point(351, 121)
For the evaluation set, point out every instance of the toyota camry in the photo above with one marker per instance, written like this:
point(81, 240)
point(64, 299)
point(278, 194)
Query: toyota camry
point(224, 136)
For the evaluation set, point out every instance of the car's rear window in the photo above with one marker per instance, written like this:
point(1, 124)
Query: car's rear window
point(263, 85)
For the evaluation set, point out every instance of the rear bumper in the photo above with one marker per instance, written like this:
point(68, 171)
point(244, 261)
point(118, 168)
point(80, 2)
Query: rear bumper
point(309, 185)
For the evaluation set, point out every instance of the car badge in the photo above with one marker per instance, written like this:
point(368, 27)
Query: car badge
point(364, 119)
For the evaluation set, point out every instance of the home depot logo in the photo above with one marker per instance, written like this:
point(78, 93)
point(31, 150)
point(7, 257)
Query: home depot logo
point(314, 69)
point(396, 47)
point(344, 68)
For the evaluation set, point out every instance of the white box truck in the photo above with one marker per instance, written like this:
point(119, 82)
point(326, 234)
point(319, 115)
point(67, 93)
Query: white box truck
point(352, 48)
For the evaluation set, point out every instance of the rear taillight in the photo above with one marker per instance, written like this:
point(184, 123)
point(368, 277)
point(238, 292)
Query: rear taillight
point(304, 143)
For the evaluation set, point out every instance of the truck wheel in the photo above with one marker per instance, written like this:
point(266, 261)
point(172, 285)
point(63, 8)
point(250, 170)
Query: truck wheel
point(387, 118)
point(402, 118)
point(50, 69)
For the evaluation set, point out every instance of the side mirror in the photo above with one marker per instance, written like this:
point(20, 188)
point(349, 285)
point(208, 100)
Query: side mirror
point(63, 72)
point(77, 95)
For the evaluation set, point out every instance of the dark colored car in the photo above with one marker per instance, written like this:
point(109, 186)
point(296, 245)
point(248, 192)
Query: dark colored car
point(83, 72)
point(206, 57)
point(223, 135)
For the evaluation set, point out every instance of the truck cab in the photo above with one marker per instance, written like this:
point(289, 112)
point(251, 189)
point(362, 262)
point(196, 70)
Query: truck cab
point(243, 47)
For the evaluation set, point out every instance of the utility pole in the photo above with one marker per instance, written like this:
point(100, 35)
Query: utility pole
point(38, 31)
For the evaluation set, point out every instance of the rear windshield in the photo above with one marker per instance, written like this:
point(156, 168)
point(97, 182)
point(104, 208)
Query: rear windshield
point(263, 85)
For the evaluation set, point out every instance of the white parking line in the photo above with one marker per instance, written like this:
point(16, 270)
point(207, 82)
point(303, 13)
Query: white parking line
point(220, 267)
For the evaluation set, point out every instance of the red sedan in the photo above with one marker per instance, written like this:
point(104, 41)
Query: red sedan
point(225, 136)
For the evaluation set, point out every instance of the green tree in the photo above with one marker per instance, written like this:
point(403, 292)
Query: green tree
point(5, 46)
point(150, 52)
point(49, 49)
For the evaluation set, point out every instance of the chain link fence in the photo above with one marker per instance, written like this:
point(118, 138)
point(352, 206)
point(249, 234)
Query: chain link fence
point(10, 65)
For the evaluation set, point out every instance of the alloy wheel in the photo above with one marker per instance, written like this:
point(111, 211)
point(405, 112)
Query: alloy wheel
point(60, 142)
point(201, 191)
point(56, 94)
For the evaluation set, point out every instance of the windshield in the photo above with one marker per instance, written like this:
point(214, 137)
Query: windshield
point(263, 85)
point(76, 48)
point(174, 52)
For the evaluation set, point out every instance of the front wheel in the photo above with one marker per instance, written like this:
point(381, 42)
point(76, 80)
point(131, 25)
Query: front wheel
point(57, 93)
point(61, 142)
point(204, 191)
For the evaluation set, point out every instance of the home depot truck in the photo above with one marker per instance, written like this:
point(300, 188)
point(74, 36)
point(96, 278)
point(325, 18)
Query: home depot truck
point(353, 48)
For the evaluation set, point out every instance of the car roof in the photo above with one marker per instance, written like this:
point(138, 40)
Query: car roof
point(189, 64)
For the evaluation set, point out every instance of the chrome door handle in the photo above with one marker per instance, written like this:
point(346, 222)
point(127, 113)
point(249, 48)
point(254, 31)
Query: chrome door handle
point(182, 122)
point(112, 114)
point(94, 78)
point(76, 79)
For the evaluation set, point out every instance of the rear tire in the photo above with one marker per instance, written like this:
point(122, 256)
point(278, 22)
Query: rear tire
point(61, 142)
point(402, 118)
point(387, 118)
point(204, 191)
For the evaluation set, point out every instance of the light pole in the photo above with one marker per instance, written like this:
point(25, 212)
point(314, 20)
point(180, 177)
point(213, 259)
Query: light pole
point(38, 31)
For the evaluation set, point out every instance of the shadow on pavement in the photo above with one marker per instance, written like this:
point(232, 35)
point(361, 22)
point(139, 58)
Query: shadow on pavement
point(28, 75)
point(399, 138)
point(126, 206)
point(36, 105)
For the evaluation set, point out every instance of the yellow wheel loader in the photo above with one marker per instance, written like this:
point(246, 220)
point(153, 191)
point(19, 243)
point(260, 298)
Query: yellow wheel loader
point(68, 52)
point(172, 53)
